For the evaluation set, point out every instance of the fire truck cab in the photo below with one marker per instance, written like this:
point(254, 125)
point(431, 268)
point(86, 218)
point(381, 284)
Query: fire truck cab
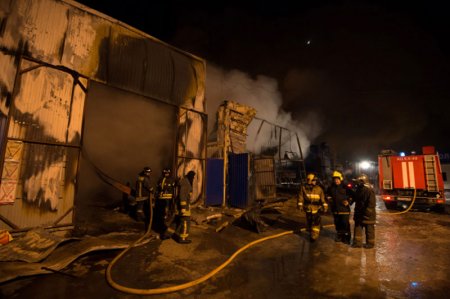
point(402, 176)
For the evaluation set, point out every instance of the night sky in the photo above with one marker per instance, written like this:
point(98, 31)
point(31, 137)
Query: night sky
point(375, 74)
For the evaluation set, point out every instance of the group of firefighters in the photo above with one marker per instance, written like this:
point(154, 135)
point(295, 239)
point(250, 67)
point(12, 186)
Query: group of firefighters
point(172, 206)
point(312, 199)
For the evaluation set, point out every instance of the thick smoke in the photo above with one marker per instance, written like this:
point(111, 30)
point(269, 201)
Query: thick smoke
point(262, 94)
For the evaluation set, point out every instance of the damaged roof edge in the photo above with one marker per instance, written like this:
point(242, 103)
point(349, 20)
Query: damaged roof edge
point(128, 27)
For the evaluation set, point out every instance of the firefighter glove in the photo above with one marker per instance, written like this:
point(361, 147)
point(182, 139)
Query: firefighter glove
point(325, 208)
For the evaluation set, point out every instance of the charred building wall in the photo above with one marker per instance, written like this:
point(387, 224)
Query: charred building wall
point(79, 88)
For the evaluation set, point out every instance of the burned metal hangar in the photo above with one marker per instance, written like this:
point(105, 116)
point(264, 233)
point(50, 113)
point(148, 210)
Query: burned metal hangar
point(79, 91)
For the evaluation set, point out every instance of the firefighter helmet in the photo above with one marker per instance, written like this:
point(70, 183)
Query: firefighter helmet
point(362, 179)
point(166, 171)
point(337, 174)
point(310, 178)
point(146, 171)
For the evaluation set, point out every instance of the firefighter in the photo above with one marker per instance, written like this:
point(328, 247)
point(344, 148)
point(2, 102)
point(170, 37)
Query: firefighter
point(164, 203)
point(143, 192)
point(311, 199)
point(365, 213)
point(339, 197)
point(183, 216)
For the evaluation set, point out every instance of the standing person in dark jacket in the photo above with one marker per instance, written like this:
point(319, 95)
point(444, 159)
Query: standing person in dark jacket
point(183, 217)
point(365, 213)
point(339, 197)
point(143, 190)
point(165, 192)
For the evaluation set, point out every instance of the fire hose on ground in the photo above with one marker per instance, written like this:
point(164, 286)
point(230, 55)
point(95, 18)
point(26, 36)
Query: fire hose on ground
point(189, 284)
point(164, 290)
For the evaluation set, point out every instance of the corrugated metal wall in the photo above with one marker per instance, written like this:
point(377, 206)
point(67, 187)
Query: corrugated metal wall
point(214, 182)
point(102, 49)
point(264, 177)
point(43, 141)
point(64, 42)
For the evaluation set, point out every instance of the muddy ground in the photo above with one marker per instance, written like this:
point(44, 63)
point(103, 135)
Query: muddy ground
point(411, 259)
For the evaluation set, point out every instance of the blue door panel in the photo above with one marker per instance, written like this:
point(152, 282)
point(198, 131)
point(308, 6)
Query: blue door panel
point(214, 182)
point(238, 180)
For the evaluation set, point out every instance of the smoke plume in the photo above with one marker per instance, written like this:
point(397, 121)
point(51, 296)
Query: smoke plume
point(261, 93)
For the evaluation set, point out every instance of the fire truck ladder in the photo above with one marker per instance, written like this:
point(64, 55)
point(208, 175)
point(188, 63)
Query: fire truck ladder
point(430, 173)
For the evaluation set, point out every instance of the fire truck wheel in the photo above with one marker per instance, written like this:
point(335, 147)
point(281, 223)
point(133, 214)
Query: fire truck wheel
point(439, 209)
point(391, 206)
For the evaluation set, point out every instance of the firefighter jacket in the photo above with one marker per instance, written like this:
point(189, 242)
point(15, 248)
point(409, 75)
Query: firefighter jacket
point(184, 198)
point(165, 188)
point(339, 197)
point(365, 202)
point(312, 198)
point(143, 189)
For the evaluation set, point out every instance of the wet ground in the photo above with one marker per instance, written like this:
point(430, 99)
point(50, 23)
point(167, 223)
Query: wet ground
point(411, 259)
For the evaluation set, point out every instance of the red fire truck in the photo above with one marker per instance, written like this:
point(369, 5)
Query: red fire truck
point(402, 175)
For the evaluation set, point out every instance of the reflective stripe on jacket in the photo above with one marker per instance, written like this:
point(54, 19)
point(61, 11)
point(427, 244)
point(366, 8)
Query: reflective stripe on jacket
point(312, 197)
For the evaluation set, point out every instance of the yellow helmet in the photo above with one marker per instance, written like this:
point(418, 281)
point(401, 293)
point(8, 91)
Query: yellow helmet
point(310, 177)
point(337, 174)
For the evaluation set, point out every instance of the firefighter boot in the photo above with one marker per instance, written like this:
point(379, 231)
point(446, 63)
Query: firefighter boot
point(140, 215)
point(181, 240)
point(356, 245)
point(346, 238)
point(315, 231)
point(167, 234)
point(338, 237)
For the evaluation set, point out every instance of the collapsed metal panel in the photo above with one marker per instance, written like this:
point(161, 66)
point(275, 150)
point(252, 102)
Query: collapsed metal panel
point(41, 153)
point(264, 178)
point(231, 129)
